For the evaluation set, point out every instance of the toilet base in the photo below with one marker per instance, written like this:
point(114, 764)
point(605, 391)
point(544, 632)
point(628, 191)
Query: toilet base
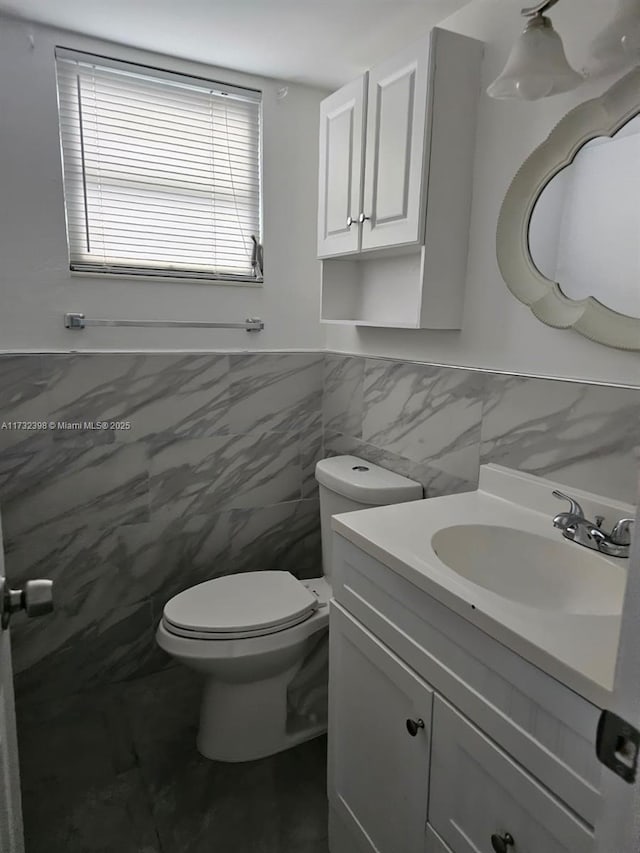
point(244, 722)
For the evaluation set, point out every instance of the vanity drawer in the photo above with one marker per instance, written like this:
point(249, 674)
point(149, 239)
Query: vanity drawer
point(477, 791)
point(543, 724)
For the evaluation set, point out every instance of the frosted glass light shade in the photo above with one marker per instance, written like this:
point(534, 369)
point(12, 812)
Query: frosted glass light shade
point(618, 45)
point(537, 66)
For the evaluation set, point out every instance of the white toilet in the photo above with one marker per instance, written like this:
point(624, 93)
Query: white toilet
point(250, 633)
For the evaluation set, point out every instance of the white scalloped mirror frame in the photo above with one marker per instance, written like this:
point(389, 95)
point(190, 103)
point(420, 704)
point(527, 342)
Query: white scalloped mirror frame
point(602, 116)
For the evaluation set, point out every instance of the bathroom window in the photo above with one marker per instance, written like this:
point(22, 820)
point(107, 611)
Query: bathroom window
point(161, 171)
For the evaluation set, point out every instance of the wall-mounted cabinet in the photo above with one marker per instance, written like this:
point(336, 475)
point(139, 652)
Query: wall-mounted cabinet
point(396, 166)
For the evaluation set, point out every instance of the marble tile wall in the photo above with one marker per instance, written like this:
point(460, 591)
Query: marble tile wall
point(439, 424)
point(214, 476)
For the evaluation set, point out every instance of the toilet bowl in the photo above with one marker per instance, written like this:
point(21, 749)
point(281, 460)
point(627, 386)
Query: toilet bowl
point(249, 634)
point(248, 666)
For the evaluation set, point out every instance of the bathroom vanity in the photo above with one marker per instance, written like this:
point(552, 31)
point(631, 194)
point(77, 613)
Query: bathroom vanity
point(460, 720)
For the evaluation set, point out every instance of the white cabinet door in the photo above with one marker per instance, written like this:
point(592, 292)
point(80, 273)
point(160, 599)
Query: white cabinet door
point(396, 148)
point(479, 796)
point(378, 770)
point(11, 840)
point(342, 118)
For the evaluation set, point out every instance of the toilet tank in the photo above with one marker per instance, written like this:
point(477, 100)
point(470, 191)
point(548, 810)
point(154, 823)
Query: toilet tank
point(347, 483)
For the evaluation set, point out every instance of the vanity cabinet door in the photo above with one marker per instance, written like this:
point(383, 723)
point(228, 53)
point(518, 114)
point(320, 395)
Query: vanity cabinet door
point(379, 743)
point(394, 197)
point(340, 183)
point(480, 796)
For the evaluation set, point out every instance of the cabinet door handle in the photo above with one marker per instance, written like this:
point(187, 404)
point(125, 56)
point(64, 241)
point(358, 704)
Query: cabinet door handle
point(362, 218)
point(413, 726)
point(501, 842)
point(349, 221)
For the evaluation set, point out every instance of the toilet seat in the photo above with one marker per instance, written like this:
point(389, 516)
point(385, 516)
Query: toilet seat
point(250, 604)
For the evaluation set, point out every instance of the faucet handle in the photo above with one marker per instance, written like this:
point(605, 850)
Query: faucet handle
point(575, 508)
point(621, 533)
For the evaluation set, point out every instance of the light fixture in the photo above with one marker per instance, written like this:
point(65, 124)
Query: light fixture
point(618, 45)
point(537, 66)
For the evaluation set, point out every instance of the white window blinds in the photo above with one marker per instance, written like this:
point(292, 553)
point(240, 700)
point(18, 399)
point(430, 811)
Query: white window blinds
point(161, 172)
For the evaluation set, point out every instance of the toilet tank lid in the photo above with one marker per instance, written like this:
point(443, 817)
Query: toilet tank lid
point(362, 481)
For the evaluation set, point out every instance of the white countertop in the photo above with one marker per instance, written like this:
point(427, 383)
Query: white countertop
point(577, 649)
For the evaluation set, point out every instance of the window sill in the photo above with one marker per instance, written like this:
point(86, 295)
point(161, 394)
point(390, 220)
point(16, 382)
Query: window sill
point(224, 282)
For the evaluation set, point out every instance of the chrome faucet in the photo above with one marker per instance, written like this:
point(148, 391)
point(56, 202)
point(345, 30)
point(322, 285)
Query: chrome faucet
point(578, 529)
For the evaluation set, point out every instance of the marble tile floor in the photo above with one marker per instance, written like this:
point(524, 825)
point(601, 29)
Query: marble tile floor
point(118, 772)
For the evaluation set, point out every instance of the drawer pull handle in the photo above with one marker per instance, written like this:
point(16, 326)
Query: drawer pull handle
point(501, 842)
point(413, 726)
point(349, 221)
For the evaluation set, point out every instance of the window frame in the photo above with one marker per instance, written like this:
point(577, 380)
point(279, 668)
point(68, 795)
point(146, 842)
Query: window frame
point(191, 81)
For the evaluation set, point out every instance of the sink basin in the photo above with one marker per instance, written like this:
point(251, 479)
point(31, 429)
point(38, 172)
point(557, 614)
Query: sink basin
point(531, 569)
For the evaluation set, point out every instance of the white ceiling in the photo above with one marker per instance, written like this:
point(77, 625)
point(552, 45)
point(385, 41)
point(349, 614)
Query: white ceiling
point(319, 42)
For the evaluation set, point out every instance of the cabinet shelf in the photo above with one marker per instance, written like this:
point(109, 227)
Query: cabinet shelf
point(378, 325)
point(395, 291)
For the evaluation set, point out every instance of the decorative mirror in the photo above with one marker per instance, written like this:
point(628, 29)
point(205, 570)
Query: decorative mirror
point(568, 238)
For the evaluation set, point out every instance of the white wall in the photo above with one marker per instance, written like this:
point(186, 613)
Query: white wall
point(499, 332)
point(36, 287)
